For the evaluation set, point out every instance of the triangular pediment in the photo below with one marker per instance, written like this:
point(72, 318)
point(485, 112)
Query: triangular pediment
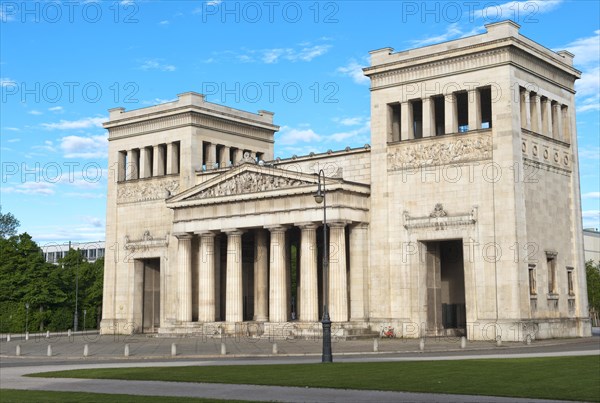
point(248, 179)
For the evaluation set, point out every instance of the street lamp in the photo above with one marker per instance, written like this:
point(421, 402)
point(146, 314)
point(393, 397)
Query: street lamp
point(320, 197)
point(26, 318)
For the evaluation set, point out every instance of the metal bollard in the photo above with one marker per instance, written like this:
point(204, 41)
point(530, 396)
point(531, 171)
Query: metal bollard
point(49, 353)
point(69, 333)
point(126, 351)
point(499, 341)
point(18, 352)
point(26, 335)
point(463, 342)
point(422, 344)
point(223, 349)
point(375, 345)
point(8, 338)
point(274, 348)
point(47, 334)
point(86, 350)
point(173, 349)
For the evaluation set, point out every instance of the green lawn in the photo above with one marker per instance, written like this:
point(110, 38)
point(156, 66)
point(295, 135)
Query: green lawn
point(568, 378)
point(14, 396)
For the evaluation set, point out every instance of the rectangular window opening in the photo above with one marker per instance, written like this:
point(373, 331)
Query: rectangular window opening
point(570, 282)
point(532, 280)
point(485, 99)
point(394, 122)
point(551, 264)
point(462, 110)
point(417, 108)
point(439, 114)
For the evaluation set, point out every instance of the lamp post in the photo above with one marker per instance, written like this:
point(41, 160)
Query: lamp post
point(84, 313)
point(320, 197)
point(26, 318)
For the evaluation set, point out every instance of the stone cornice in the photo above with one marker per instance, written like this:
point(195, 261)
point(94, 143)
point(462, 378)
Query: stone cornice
point(191, 118)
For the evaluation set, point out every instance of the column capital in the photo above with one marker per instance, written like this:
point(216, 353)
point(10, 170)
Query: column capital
point(307, 225)
point(277, 228)
point(207, 233)
point(360, 225)
point(338, 223)
point(233, 231)
point(183, 235)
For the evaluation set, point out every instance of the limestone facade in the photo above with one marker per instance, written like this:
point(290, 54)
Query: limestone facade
point(461, 217)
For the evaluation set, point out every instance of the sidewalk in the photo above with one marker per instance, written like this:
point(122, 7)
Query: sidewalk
point(149, 347)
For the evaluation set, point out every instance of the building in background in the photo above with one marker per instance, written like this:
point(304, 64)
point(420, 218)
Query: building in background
point(91, 251)
point(462, 217)
point(591, 244)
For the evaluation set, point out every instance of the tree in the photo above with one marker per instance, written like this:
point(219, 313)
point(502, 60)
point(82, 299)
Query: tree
point(8, 225)
point(593, 287)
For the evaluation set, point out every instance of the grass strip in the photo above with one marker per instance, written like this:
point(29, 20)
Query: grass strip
point(567, 378)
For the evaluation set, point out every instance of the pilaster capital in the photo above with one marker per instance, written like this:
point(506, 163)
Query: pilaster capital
point(338, 224)
point(205, 234)
point(183, 236)
point(277, 228)
point(307, 225)
point(233, 232)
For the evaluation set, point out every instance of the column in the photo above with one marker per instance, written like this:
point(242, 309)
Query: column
point(261, 276)
point(450, 114)
point(525, 109)
point(238, 155)
point(172, 158)
point(206, 277)
point(224, 157)
point(218, 278)
point(121, 168)
point(557, 122)
point(132, 169)
point(211, 155)
point(546, 119)
point(234, 306)
point(145, 162)
point(184, 276)
point(338, 283)
point(278, 305)
point(566, 123)
point(309, 292)
point(359, 261)
point(159, 161)
point(428, 126)
point(474, 110)
point(406, 122)
point(536, 113)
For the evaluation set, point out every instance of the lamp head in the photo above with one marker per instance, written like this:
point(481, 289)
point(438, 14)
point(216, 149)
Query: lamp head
point(319, 197)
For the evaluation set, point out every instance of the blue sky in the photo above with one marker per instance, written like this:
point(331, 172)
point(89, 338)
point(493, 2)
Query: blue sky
point(64, 64)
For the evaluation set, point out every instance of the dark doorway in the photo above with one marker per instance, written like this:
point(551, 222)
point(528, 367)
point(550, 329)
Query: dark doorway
point(151, 302)
point(445, 283)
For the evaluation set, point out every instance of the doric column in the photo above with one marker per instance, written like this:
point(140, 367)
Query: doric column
point(450, 114)
point(525, 109)
point(234, 305)
point(338, 282)
point(172, 158)
point(261, 276)
point(546, 117)
point(557, 122)
point(428, 126)
point(238, 155)
point(206, 277)
point(158, 168)
point(566, 123)
point(406, 118)
point(184, 276)
point(474, 113)
point(132, 169)
point(218, 284)
point(145, 162)
point(223, 157)
point(121, 168)
point(278, 304)
point(309, 293)
point(359, 261)
point(211, 155)
point(536, 113)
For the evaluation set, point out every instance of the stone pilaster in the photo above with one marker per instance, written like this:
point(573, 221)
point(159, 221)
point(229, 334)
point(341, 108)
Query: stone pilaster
point(234, 311)
point(206, 277)
point(338, 282)
point(556, 122)
point(474, 111)
point(184, 277)
point(132, 169)
point(526, 109)
point(145, 162)
point(211, 155)
point(261, 276)
point(546, 117)
point(309, 293)
point(428, 126)
point(450, 114)
point(158, 169)
point(406, 121)
point(172, 158)
point(238, 155)
point(223, 157)
point(359, 261)
point(536, 113)
point(278, 304)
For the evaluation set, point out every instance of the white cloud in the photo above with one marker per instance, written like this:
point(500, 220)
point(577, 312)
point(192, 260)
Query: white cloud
point(164, 22)
point(5, 81)
point(290, 136)
point(589, 153)
point(354, 71)
point(587, 58)
point(453, 31)
point(56, 109)
point(32, 188)
point(85, 195)
point(13, 140)
point(84, 123)
point(516, 10)
point(591, 195)
point(305, 54)
point(591, 218)
point(214, 2)
point(356, 135)
point(155, 64)
point(35, 112)
point(12, 129)
point(84, 147)
point(47, 146)
point(349, 121)
point(158, 101)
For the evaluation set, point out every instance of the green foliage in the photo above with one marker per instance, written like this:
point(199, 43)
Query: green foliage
point(48, 289)
point(593, 285)
point(8, 225)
